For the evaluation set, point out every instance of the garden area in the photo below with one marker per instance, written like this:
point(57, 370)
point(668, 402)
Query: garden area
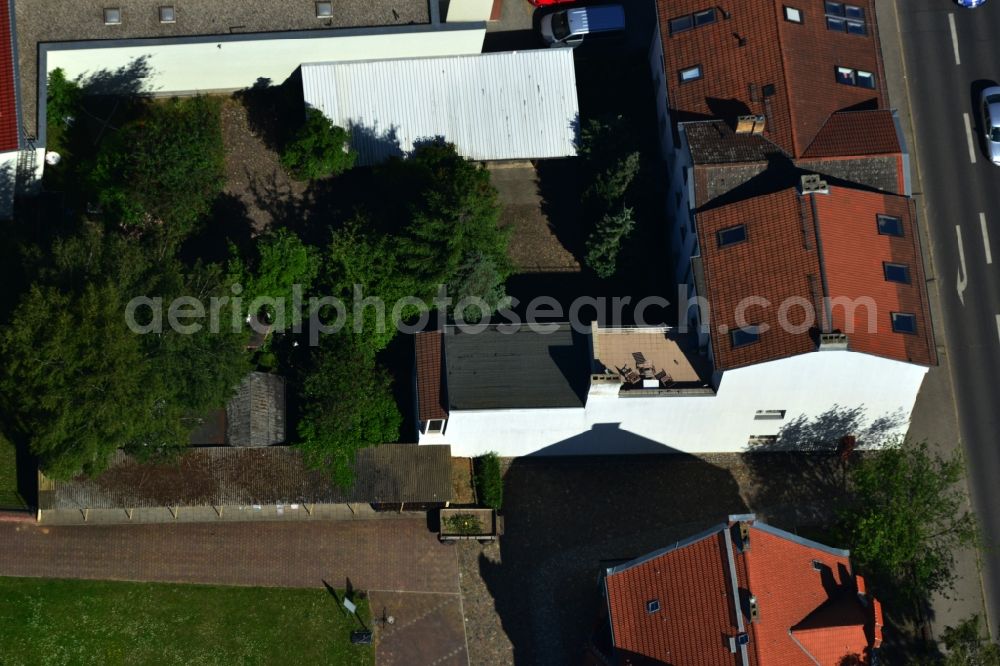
point(71, 622)
point(10, 497)
point(251, 201)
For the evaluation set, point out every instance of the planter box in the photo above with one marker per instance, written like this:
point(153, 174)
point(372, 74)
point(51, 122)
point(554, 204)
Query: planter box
point(468, 524)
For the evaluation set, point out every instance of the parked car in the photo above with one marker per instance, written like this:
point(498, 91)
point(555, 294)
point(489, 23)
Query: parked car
point(970, 3)
point(549, 3)
point(569, 27)
point(991, 121)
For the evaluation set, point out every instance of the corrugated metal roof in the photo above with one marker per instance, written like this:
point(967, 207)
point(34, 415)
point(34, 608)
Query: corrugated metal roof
point(228, 476)
point(494, 106)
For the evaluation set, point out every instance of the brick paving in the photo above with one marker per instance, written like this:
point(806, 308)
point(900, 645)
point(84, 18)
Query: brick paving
point(397, 554)
point(428, 629)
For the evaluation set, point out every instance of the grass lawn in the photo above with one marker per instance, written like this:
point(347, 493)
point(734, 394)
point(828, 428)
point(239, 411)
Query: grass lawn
point(9, 497)
point(48, 621)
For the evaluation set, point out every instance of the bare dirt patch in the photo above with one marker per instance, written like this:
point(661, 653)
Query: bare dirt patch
point(255, 179)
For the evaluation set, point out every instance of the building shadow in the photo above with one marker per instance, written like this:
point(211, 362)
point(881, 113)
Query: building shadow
point(274, 112)
point(566, 517)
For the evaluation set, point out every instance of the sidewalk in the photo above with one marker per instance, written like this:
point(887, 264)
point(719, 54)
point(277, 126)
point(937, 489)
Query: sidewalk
point(934, 418)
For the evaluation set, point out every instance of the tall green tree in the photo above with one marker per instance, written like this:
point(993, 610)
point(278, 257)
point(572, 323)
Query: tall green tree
point(347, 405)
point(318, 149)
point(454, 218)
point(907, 518)
point(281, 262)
point(604, 243)
point(161, 171)
point(968, 645)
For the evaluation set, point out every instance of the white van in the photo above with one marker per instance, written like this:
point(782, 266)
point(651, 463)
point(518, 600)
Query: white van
point(569, 26)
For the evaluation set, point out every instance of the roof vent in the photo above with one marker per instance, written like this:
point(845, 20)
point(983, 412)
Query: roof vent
point(754, 609)
point(744, 544)
point(811, 183)
point(832, 341)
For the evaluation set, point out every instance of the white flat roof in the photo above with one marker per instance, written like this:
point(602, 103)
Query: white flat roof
point(494, 106)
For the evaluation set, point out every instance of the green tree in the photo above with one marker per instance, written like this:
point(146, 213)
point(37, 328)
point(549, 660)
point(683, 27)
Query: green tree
point(478, 277)
point(610, 164)
point(968, 646)
point(282, 261)
point(360, 256)
point(605, 241)
point(79, 384)
point(907, 518)
point(162, 171)
point(454, 218)
point(318, 149)
point(62, 107)
point(489, 480)
point(347, 405)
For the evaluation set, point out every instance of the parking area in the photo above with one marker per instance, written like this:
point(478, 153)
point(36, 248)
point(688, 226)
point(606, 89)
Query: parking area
point(534, 598)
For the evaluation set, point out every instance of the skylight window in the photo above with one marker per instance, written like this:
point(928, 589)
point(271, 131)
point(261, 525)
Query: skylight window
point(690, 74)
point(890, 226)
point(167, 14)
point(744, 336)
point(896, 272)
point(112, 16)
point(903, 322)
point(690, 21)
point(324, 9)
point(792, 14)
point(732, 235)
point(652, 606)
point(842, 17)
point(855, 77)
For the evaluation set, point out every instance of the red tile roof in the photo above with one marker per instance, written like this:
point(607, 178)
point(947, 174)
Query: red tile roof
point(780, 263)
point(430, 390)
point(8, 84)
point(757, 47)
point(809, 607)
point(856, 133)
point(854, 254)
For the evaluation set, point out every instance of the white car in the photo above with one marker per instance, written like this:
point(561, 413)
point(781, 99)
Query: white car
point(990, 104)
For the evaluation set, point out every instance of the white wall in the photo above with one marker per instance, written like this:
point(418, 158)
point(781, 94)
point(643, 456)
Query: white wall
point(224, 63)
point(468, 10)
point(806, 386)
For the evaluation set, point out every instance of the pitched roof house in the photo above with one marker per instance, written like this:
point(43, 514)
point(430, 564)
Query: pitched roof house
point(741, 593)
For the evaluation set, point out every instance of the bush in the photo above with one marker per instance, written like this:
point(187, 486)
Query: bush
point(319, 149)
point(165, 168)
point(61, 107)
point(489, 480)
point(605, 242)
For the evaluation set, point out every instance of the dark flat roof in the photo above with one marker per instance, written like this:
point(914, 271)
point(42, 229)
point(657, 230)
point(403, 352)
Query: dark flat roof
point(521, 370)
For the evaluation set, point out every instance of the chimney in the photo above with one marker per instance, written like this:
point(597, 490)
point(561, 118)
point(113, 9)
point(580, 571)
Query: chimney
point(745, 124)
point(758, 124)
point(754, 609)
point(813, 184)
point(744, 536)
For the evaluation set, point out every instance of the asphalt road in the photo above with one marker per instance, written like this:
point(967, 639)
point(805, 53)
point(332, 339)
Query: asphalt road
point(951, 53)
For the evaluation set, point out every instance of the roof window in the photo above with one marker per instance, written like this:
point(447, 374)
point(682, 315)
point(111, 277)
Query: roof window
point(690, 74)
point(167, 14)
point(792, 14)
point(732, 235)
point(744, 336)
point(842, 17)
point(855, 77)
point(690, 21)
point(112, 16)
point(324, 9)
point(904, 322)
point(652, 606)
point(896, 272)
point(889, 225)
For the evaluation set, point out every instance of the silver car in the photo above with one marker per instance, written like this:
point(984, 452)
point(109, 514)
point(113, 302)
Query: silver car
point(991, 122)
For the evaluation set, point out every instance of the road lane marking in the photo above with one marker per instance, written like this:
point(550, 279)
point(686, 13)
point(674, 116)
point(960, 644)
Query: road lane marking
point(954, 38)
point(968, 135)
point(962, 278)
point(986, 238)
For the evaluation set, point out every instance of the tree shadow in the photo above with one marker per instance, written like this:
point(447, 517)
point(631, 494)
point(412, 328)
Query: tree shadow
point(229, 222)
point(129, 80)
point(566, 517)
point(274, 113)
point(801, 476)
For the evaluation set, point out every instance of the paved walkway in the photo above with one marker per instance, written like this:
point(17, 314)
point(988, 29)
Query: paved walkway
point(400, 562)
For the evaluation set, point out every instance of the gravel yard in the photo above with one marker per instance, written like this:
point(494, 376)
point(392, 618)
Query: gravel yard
point(533, 598)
